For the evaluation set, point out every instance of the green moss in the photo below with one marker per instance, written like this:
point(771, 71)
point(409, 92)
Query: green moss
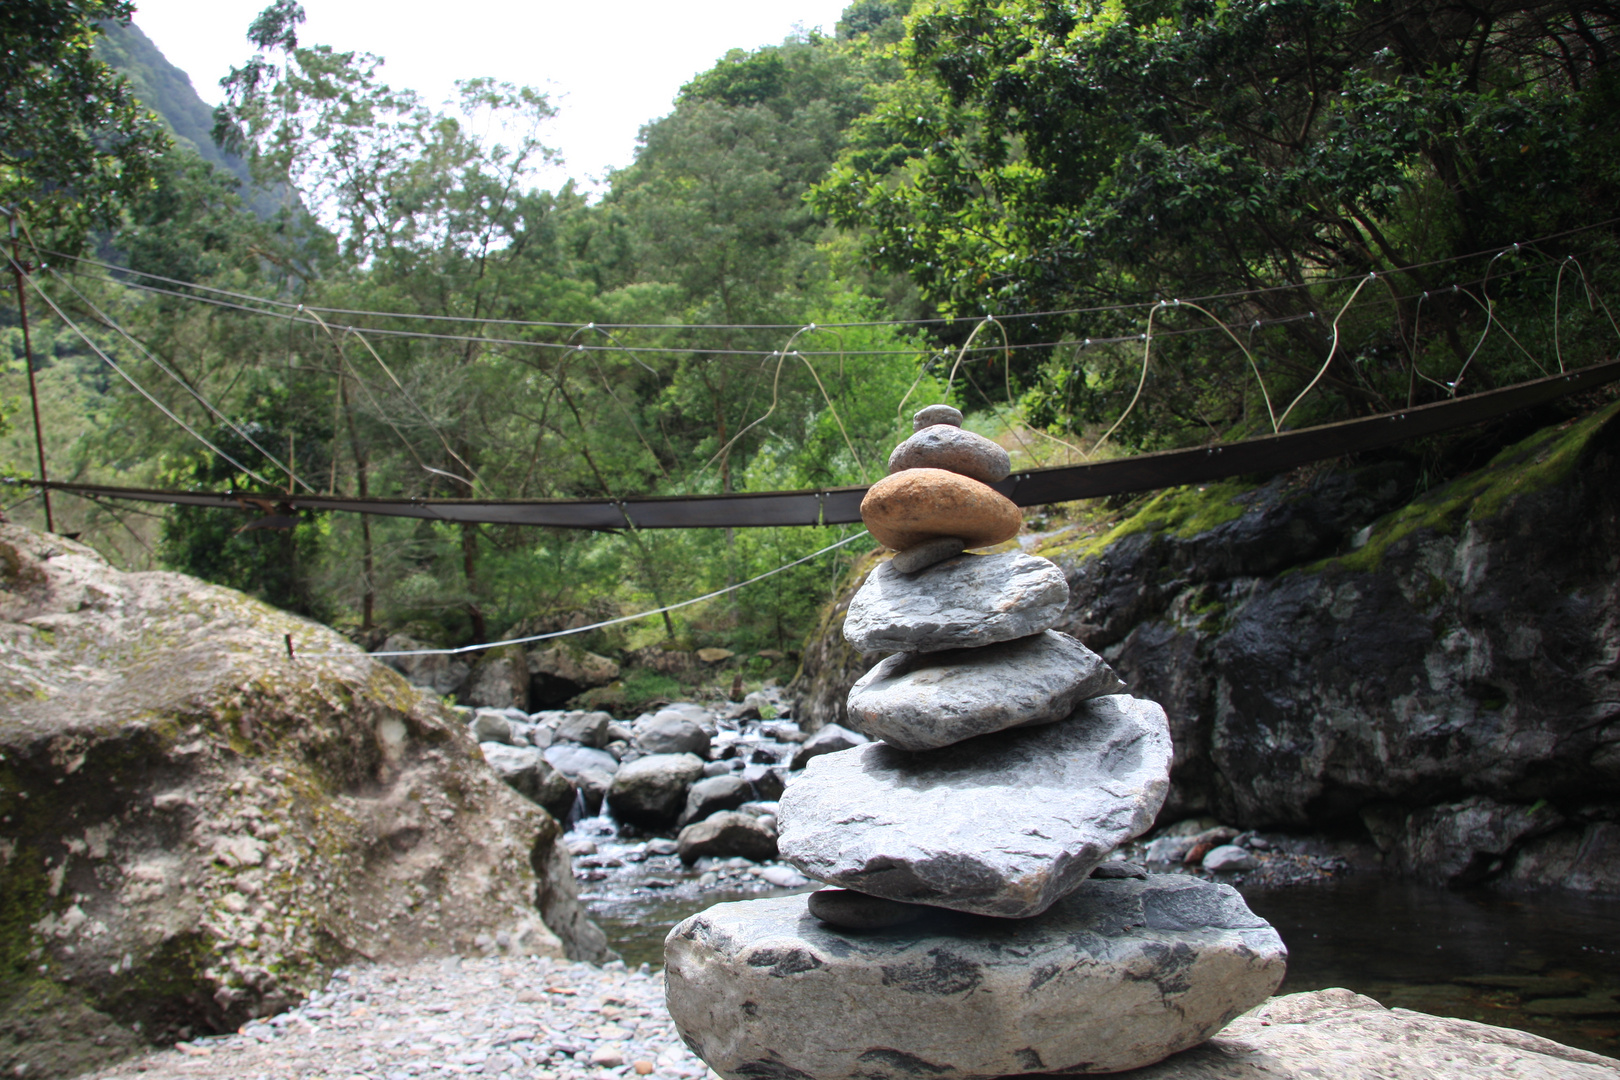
point(1183, 512)
point(1541, 461)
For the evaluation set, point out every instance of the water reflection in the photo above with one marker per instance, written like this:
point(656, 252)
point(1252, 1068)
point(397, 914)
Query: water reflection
point(1549, 964)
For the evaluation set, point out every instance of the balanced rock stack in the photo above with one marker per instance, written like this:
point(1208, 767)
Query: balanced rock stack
point(976, 926)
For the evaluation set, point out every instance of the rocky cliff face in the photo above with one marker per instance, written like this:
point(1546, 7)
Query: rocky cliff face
point(1439, 672)
point(195, 827)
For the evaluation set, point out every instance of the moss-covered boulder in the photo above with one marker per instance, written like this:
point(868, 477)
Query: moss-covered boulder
point(196, 826)
point(1340, 654)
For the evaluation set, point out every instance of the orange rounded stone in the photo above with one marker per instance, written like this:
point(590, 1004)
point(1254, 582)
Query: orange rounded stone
point(908, 507)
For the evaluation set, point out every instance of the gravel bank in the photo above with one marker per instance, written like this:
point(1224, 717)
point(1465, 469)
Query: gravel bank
point(537, 1019)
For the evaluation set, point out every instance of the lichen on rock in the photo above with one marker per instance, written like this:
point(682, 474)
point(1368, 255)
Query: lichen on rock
point(195, 828)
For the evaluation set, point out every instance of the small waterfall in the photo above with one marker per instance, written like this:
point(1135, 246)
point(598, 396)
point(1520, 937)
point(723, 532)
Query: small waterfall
point(576, 812)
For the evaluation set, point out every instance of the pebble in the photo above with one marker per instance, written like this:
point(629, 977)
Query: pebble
point(907, 508)
point(530, 1018)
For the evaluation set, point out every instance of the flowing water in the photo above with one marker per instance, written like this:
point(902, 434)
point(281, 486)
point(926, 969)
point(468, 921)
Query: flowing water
point(1548, 964)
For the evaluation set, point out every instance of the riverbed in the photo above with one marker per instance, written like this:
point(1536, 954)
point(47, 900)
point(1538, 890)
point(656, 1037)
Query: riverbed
point(1547, 963)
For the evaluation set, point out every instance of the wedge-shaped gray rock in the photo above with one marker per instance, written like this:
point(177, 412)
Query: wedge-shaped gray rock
point(961, 603)
point(921, 701)
point(1005, 824)
point(1121, 974)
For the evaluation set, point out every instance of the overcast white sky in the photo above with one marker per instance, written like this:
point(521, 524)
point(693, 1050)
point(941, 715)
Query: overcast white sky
point(609, 67)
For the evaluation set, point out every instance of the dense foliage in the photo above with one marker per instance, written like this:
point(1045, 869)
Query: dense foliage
point(74, 140)
point(393, 305)
point(1048, 155)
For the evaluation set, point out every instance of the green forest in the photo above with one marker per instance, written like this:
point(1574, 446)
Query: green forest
point(1098, 227)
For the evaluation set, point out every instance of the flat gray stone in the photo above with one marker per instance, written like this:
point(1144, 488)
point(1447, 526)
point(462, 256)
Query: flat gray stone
point(961, 603)
point(921, 701)
point(1120, 974)
point(936, 414)
point(944, 446)
point(921, 556)
point(1005, 824)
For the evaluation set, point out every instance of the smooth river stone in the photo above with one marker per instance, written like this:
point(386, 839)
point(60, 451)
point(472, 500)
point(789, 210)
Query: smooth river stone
point(1120, 974)
point(945, 447)
point(961, 603)
point(936, 414)
point(1005, 824)
point(922, 701)
point(906, 508)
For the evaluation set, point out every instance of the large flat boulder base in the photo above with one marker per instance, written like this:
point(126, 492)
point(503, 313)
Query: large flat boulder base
point(1339, 1035)
point(1122, 973)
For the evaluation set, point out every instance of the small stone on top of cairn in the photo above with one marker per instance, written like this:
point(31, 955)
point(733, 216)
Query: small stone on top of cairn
point(936, 414)
point(977, 927)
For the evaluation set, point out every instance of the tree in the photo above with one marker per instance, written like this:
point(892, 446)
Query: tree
point(74, 142)
point(1048, 156)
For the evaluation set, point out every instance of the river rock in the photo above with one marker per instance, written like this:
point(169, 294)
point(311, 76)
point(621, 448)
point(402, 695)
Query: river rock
point(1229, 858)
point(945, 446)
point(574, 761)
point(829, 740)
point(430, 670)
point(572, 666)
point(494, 726)
point(850, 910)
point(909, 507)
point(714, 794)
point(726, 835)
point(927, 553)
point(920, 701)
point(1004, 824)
point(767, 781)
point(936, 414)
point(585, 728)
point(669, 732)
point(651, 791)
point(1118, 975)
point(500, 680)
point(961, 603)
point(527, 772)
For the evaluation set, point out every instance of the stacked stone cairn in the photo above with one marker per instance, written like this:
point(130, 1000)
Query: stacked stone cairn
point(976, 925)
